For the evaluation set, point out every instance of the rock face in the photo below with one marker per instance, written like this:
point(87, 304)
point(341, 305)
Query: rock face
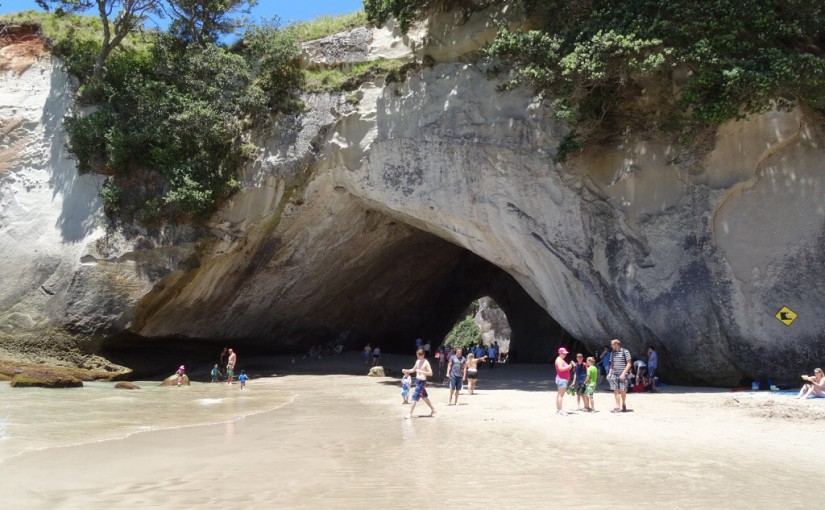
point(383, 219)
point(66, 281)
point(493, 323)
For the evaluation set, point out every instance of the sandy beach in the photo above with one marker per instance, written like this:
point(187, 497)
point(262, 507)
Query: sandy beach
point(340, 441)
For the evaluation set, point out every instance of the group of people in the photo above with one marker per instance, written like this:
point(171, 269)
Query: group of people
point(459, 369)
point(371, 353)
point(226, 368)
point(581, 376)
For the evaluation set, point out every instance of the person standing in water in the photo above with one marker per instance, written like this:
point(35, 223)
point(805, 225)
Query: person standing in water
point(422, 370)
point(562, 379)
point(242, 379)
point(230, 366)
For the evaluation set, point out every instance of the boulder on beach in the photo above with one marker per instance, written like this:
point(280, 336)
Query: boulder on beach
point(43, 377)
point(126, 385)
point(381, 372)
point(172, 380)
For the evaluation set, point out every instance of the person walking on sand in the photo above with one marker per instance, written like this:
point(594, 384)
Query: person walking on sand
point(406, 381)
point(590, 382)
point(472, 371)
point(366, 354)
point(814, 386)
point(376, 356)
point(230, 366)
point(562, 379)
point(457, 370)
point(215, 372)
point(422, 370)
point(242, 379)
point(620, 363)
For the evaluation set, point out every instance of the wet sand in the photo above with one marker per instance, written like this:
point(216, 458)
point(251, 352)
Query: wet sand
point(341, 442)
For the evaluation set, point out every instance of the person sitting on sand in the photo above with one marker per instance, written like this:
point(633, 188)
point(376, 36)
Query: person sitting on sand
point(814, 385)
point(422, 370)
point(472, 370)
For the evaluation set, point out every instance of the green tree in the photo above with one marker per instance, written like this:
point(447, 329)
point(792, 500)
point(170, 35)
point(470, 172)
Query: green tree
point(131, 16)
point(465, 333)
point(205, 21)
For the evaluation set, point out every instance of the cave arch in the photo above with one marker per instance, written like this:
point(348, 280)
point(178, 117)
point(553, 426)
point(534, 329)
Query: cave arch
point(419, 287)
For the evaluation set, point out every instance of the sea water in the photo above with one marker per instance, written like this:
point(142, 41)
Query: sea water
point(40, 418)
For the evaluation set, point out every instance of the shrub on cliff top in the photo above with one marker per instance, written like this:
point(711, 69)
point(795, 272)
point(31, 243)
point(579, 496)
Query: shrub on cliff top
point(740, 57)
point(171, 118)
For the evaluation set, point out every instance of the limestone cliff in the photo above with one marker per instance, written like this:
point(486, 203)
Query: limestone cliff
point(382, 215)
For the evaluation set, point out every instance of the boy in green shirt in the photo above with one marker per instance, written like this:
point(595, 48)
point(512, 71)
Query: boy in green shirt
point(590, 384)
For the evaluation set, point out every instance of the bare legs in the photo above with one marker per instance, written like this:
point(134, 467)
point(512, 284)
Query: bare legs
point(559, 398)
point(426, 401)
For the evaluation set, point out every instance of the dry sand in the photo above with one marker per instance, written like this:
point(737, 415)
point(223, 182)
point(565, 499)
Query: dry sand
point(342, 442)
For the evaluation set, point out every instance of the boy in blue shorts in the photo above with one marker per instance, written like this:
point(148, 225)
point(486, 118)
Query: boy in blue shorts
point(242, 379)
point(422, 370)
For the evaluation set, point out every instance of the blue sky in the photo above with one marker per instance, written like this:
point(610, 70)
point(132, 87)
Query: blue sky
point(288, 10)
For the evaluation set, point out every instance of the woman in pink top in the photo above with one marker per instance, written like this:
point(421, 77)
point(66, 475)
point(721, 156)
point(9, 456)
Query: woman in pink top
point(562, 379)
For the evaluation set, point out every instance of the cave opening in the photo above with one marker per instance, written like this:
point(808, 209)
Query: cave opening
point(391, 284)
point(420, 287)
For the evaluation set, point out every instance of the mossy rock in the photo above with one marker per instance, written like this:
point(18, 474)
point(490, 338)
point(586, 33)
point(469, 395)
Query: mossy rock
point(172, 380)
point(44, 378)
point(126, 385)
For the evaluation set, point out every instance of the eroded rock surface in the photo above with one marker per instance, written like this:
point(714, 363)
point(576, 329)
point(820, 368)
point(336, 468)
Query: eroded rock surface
point(379, 221)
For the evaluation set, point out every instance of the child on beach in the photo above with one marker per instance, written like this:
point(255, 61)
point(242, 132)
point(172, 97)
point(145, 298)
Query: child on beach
point(590, 382)
point(215, 372)
point(180, 373)
point(242, 379)
point(405, 388)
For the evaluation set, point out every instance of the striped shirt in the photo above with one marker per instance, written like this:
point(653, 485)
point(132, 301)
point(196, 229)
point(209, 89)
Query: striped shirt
point(620, 360)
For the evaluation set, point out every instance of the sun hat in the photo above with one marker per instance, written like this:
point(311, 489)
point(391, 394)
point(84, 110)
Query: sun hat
point(562, 350)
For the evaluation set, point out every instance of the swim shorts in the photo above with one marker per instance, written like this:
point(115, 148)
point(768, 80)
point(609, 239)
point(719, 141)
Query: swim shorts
point(420, 390)
point(616, 383)
point(472, 374)
point(455, 382)
point(590, 389)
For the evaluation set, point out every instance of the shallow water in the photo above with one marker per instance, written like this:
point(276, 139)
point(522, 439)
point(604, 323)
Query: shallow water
point(41, 418)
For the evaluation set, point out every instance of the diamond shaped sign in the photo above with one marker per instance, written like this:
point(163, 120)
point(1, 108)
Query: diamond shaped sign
point(786, 315)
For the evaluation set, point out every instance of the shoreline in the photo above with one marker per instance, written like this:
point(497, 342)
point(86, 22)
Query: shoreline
point(342, 441)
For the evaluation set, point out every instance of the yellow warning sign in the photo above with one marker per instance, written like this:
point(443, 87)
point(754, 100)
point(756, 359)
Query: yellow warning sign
point(786, 315)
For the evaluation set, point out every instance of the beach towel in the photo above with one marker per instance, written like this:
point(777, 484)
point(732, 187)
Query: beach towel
point(791, 392)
